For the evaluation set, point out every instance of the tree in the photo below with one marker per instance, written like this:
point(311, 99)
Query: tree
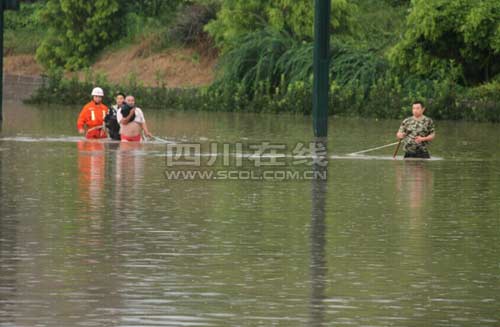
point(78, 30)
point(463, 35)
point(238, 17)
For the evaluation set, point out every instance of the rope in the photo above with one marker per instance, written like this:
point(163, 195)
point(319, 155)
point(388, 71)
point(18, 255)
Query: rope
point(160, 139)
point(373, 149)
point(103, 127)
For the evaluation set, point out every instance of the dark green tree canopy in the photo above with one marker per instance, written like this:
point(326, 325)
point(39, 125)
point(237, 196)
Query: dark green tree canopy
point(459, 34)
point(78, 30)
point(237, 18)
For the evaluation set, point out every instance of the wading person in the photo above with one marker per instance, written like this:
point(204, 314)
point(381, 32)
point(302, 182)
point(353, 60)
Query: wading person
point(111, 120)
point(417, 131)
point(132, 121)
point(91, 119)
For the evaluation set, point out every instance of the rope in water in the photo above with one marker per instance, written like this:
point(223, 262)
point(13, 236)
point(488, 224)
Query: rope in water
point(373, 149)
point(95, 128)
point(143, 137)
point(160, 139)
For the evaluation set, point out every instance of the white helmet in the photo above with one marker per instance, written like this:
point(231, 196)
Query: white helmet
point(97, 91)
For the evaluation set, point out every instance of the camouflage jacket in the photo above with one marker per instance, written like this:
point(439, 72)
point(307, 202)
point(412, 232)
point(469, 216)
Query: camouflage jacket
point(413, 128)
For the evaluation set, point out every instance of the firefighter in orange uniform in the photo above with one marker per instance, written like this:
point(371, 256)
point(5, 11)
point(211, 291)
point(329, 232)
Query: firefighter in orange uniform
point(91, 119)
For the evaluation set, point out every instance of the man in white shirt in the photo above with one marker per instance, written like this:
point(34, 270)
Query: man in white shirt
point(133, 124)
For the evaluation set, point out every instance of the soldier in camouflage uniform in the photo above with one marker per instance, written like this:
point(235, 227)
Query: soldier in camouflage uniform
point(417, 131)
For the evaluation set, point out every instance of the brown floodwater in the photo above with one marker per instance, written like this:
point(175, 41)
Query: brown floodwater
point(94, 234)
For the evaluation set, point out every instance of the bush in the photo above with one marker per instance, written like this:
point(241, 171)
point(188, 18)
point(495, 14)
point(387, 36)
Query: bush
point(188, 26)
point(237, 18)
point(78, 30)
point(388, 97)
point(481, 103)
point(57, 89)
point(23, 29)
point(462, 34)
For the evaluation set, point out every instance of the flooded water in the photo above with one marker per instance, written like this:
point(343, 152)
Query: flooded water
point(94, 234)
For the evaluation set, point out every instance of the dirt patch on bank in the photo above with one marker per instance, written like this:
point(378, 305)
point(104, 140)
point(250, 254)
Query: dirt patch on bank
point(21, 65)
point(173, 67)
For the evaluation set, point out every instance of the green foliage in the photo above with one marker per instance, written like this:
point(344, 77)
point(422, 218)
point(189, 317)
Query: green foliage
point(388, 97)
point(25, 18)
point(148, 17)
point(151, 8)
point(267, 59)
point(188, 26)
point(23, 29)
point(158, 24)
point(78, 30)
point(398, 3)
point(297, 18)
point(351, 65)
point(273, 59)
point(59, 90)
point(239, 17)
point(378, 25)
point(272, 71)
point(481, 103)
point(442, 34)
point(256, 60)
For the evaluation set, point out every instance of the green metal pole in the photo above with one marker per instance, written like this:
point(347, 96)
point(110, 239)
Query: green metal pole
point(321, 67)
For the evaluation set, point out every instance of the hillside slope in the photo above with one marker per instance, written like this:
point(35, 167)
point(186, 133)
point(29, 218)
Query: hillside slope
point(175, 67)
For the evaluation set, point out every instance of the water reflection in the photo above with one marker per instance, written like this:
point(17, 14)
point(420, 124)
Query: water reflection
point(318, 267)
point(128, 176)
point(91, 176)
point(104, 166)
point(110, 185)
point(415, 182)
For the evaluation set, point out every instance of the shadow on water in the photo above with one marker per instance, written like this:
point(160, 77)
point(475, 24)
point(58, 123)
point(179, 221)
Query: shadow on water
point(318, 265)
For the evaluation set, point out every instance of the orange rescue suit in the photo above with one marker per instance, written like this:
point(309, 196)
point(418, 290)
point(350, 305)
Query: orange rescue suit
point(92, 115)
